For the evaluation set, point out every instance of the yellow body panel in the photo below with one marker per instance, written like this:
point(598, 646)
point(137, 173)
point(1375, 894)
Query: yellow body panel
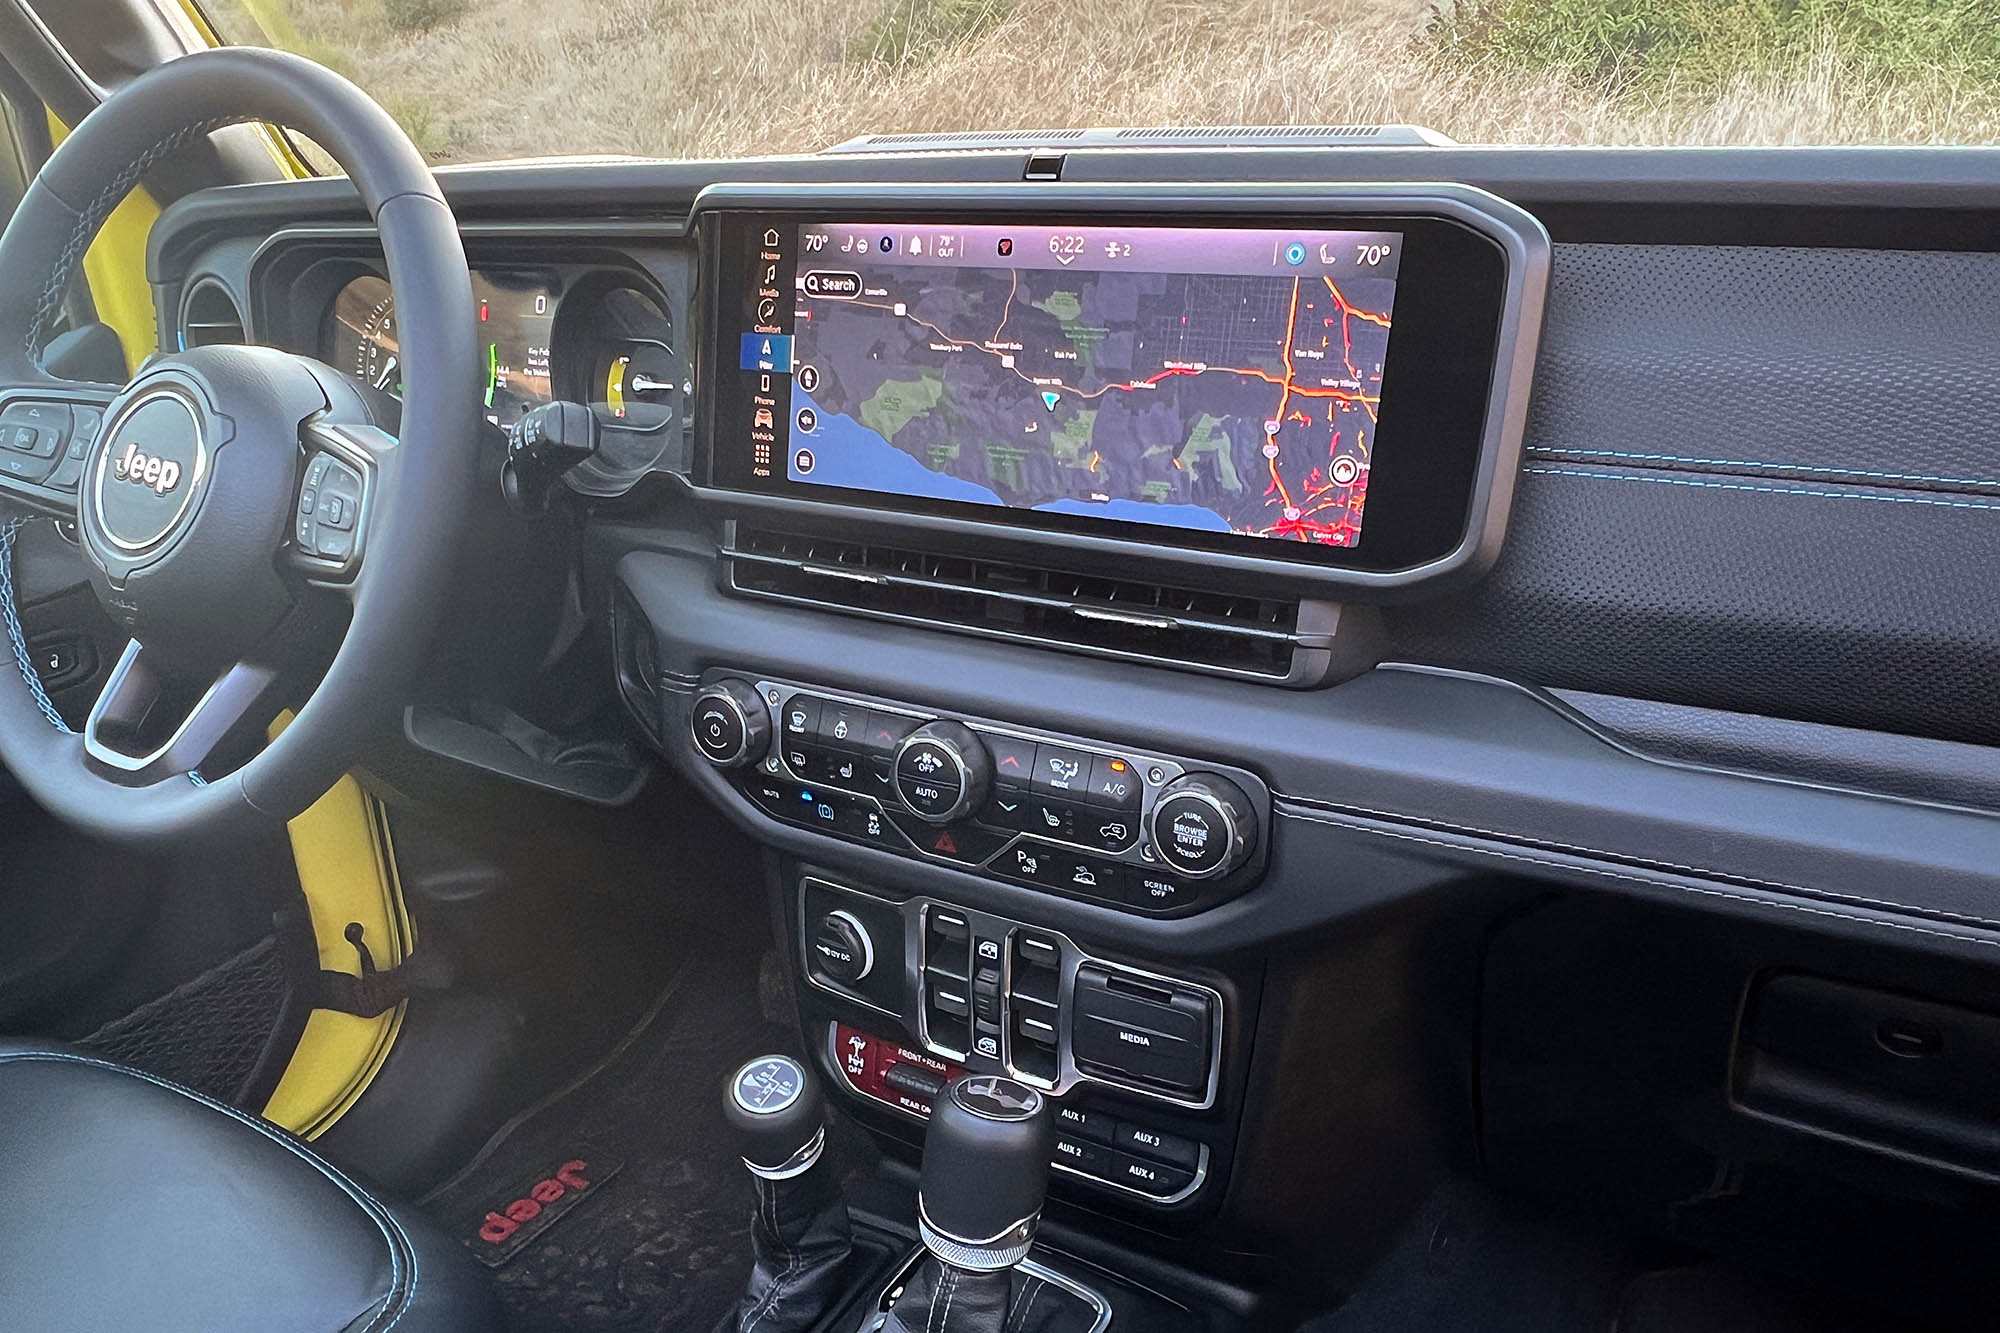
point(115, 268)
point(347, 870)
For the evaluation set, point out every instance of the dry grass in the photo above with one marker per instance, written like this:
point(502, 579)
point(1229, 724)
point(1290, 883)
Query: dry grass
point(691, 78)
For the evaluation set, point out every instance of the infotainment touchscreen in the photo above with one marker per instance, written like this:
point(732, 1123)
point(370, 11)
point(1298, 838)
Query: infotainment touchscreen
point(1249, 384)
point(1226, 380)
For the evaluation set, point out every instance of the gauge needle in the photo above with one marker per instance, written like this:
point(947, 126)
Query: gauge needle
point(644, 383)
point(388, 373)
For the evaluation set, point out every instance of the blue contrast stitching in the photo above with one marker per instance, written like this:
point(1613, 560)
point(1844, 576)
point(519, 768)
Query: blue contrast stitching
point(10, 612)
point(1540, 451)
point(1768, 490)
point(384, 1220)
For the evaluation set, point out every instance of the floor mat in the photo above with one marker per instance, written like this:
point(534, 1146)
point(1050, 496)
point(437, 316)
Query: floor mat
point(211, 1034)
point(662, 1244)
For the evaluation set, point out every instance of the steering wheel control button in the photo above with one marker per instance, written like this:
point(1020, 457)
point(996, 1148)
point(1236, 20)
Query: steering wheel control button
point(329, 508)
point(1203, 826)
point(730, 724)
point(943, 772)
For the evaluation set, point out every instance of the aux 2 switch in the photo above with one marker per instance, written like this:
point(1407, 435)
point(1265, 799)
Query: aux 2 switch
point(943, 772)
point(731, 726)
point(1204, 825)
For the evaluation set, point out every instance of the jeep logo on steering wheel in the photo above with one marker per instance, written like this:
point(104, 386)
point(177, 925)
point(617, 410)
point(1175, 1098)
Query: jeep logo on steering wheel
point(162, 474)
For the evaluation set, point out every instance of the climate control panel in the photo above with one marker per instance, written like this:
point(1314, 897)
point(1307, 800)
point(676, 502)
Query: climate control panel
point(1122, 827)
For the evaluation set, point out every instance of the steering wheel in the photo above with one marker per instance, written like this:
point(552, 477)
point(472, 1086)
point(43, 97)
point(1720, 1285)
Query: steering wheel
point(227, 483)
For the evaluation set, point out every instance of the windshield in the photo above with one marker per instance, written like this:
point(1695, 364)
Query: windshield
point(480, 79)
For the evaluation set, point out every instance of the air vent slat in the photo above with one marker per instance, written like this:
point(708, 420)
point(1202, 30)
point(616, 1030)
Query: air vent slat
point(1125, 618)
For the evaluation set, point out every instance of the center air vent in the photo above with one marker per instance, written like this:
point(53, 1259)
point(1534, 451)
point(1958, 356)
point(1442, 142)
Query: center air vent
point(210, 316)
point(1271, 639)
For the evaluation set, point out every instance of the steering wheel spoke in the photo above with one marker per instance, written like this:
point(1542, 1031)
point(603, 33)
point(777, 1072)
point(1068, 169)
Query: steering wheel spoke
point(131, 734)
point(46, 430)
point(338, 493)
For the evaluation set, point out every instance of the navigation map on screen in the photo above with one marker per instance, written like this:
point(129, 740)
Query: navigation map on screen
point(1225, 380)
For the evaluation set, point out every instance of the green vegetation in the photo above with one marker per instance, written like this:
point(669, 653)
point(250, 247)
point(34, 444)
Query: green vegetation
point(422, 15)
point(1209, 438)
point(891, 406)
point(904, 33)
point(1071, 442)
point(1697, 47)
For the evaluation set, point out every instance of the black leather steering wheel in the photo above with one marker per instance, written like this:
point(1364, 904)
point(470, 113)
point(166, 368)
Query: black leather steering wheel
point(207, 503)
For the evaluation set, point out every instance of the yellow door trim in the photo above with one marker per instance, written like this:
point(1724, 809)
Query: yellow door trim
point(115, 268)
point(347, 871)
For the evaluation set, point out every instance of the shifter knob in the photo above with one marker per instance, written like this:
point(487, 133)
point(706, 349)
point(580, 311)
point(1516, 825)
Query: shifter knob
point(776, 1110)
point(985, 1173)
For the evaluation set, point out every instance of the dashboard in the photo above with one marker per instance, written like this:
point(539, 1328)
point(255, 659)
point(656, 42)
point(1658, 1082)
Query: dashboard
point(597, 328)
point(1378, 532)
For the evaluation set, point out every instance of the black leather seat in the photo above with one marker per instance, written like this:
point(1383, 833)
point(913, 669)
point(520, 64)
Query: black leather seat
point(127, 1202)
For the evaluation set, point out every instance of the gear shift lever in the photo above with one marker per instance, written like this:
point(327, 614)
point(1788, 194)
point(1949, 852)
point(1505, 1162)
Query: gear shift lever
point(985, 1173)
point(799, 1232)
point(979, 1200)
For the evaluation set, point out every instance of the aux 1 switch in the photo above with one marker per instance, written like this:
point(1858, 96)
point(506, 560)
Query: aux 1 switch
point(731, 725)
